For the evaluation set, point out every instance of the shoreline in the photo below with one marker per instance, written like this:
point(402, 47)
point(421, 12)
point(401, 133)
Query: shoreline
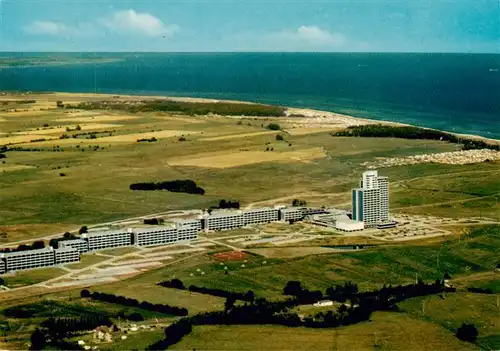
point(298, 117)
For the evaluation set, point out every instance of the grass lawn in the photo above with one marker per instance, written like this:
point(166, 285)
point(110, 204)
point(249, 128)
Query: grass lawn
point(456, 308)
point(143, 288)
point(119, 251)
point(30, 277)
point(86, 260)
point(385, 331)
point(96, 186)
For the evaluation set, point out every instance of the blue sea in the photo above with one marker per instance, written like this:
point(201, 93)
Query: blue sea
point(454, 92)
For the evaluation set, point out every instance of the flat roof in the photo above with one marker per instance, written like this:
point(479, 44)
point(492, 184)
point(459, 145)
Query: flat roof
point(153, 229)
point(225, 214)
point(108, 232)
point(66, 249)
point(260, 209)
point(72, 241)
point(290, 209)
point(27, 252)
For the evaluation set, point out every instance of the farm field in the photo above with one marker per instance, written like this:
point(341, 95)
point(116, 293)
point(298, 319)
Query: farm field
point(83, 176)
point(454, 309)
point(98, 171)
point(387, 331)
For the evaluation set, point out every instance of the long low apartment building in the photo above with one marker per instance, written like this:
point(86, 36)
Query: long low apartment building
point(188, 229)
point(261, 215)
point(46, 257)
point(66, 255)
point(292, 214)
point(223, 220)
point(108, 239)
point(161, 235)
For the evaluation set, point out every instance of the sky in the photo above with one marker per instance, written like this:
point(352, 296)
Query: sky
point(251, 25)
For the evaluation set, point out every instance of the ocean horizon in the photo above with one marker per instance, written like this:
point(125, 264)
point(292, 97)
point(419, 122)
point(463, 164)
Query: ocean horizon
point(452, 92)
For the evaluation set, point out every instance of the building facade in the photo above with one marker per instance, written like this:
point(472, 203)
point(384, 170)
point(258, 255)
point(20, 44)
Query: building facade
point(155, 236)
point(15, 261)
point(370, 202)
point(260, 215)
point(108, 239)
point(291, 214)
point(224, 221)
point(66, 255)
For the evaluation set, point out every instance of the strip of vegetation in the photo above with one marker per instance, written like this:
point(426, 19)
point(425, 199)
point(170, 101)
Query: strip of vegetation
point(39, 244)
point(125, 301)
point(154, 221)
point(226, 204)
point(189, 108)
point(249, 296)
point(16, 102)
point(410, 132)
point(54, 242)
point(260, 311)
point(150, 140)
point(176, 186)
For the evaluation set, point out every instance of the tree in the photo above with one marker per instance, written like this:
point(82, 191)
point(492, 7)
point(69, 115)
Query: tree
point(467, 332)
point(229, 304)
point(37, 339)
point(83, 230)
point(298, 202)
point(136, 317)
point(39, 244)
point(273, 126)
point(293, 287)
point(84, 293)
point(177, 284)
point(68, 235)
point(2, 282)
point(279, 137)
point(446, 276)
point(59, 103)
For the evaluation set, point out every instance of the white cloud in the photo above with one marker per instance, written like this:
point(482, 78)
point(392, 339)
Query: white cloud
point(130, 21)
point(316, 35)
point(47, 28)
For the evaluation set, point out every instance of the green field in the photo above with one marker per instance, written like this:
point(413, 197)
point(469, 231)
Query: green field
point(96, 186)
point(391, 264)
point(454, 309)
point(30, 277)
point(385, 331)
point(231, 162)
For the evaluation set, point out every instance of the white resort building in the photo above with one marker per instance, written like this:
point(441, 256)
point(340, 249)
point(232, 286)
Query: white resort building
point(370, 202)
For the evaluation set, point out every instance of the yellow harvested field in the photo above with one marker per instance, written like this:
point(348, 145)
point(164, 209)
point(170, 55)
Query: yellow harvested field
point(11, 168)
point(127, 138)
point(29, 112)
point(95, 118)
point(305, 130)
point(181, 119)
point(23, 139)
point(236, 136)
point(59, 130)
point(242, 158)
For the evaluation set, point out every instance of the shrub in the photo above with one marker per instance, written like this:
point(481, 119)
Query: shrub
point(273, 126)
point(279, 137)
point(467, 332)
